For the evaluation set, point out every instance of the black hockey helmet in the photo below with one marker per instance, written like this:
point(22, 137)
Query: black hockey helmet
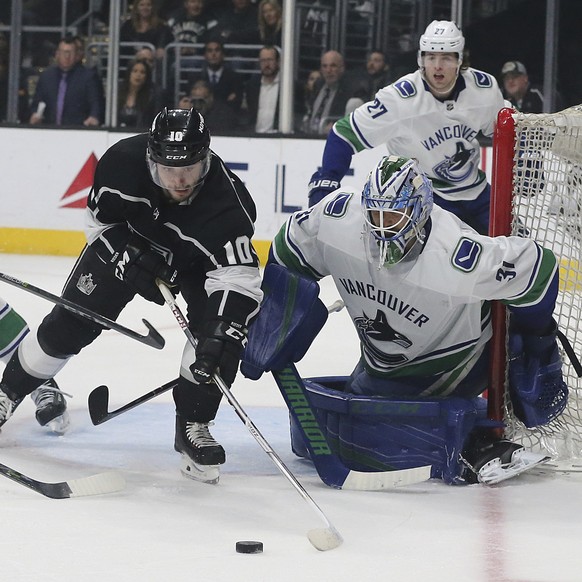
point(178, 137)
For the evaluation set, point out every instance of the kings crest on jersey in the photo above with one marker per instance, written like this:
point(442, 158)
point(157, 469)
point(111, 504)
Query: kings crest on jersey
point(429, 312)
point(440, 134)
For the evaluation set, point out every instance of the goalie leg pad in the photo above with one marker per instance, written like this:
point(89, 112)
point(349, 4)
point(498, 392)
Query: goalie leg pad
point(378, 434)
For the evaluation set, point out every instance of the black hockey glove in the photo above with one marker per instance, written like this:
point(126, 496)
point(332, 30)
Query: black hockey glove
point(320, 186)
point(140, 266)
point(219, 350)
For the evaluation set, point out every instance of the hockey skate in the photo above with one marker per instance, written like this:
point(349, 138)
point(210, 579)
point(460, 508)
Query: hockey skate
point(7, 404)
point(201, 454)
point(51, 407)
point(491, 461)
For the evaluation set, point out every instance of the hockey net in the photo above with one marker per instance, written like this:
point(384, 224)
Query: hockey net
point(537, 192)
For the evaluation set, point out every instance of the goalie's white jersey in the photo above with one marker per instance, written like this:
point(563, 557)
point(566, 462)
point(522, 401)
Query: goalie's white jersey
point(422, 317)
point(441, 135)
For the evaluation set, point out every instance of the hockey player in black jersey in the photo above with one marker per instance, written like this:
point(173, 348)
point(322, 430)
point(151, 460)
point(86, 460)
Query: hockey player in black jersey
point(163, 206)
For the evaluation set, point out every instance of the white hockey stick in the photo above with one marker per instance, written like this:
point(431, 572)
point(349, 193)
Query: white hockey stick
point(92, 485)
point(326, 538)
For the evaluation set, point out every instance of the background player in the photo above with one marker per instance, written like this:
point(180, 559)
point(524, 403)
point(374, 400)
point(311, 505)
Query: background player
point(417, 286)
point(163, 206)
point(433, 115)
point(51, 406)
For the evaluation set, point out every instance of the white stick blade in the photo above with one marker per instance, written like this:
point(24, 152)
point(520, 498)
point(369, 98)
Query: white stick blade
point(376, 481)
point(96, 484)
point(324, 538)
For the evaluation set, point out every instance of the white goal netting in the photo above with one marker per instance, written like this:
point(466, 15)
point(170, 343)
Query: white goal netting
point(547, 206)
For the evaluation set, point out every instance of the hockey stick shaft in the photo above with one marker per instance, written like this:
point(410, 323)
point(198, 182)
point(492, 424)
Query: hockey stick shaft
point(153, 338)
point(99, 400)
point(322, 540)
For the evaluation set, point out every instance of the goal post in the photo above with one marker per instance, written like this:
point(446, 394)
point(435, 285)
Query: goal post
point(536, 191)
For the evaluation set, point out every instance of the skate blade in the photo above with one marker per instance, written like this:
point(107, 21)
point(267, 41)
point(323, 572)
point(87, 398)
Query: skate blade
point(60, 424)
point(494, 472)
point(204, 473)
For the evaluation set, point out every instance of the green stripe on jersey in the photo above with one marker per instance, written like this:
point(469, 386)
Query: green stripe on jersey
point(344, 128)
point(290, 259)
point(11, 326)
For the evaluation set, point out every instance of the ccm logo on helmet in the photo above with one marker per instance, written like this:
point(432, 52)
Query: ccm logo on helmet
point(176, 157)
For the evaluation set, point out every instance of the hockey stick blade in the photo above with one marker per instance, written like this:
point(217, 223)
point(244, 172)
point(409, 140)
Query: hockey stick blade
point(99, 401)
point(330, 468)
point(153, 338)
point(94, 485)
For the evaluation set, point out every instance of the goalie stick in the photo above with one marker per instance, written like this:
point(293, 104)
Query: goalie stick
point(93, 485)
point(99, 401)
point(153, 337)
point(326, 538)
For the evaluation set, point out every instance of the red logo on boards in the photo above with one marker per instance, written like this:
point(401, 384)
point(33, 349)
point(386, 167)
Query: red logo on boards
point(77, 192)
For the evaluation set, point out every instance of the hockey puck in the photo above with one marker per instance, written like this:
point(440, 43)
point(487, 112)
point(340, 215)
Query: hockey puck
point(248, 547)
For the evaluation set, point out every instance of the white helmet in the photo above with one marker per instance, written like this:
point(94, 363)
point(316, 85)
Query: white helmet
point(441, 36)
point(398, 187)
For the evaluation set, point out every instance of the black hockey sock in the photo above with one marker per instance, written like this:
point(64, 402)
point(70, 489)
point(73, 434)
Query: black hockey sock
point(196, 402)
point(17, 382)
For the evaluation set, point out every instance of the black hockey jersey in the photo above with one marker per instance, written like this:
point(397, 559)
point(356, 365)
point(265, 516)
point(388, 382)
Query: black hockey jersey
point(208, 235)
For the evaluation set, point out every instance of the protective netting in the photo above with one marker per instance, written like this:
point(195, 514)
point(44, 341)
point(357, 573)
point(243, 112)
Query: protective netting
point(547, 206)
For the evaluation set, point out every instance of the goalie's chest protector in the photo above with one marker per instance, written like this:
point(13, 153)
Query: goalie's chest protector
point(412, 308)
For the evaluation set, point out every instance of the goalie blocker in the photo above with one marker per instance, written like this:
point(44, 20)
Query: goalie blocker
point(369, 433)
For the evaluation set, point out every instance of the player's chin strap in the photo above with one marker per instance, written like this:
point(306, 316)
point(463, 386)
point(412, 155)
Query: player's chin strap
point(322, 539)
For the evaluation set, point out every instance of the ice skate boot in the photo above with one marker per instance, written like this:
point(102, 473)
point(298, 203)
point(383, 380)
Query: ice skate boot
point(51, 407)
point(8, 403)
point(201, 454)
point(490, 460)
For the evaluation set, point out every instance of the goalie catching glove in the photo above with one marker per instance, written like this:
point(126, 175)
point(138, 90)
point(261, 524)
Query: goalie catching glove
point(320, 186)
point(139, 266)
point(219, 351)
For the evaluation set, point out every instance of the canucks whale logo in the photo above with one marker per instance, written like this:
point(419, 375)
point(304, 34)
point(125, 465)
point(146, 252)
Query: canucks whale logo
point(457, 167)
point(379, 330)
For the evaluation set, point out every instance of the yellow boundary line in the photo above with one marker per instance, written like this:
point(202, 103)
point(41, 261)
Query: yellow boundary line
point(28, 241)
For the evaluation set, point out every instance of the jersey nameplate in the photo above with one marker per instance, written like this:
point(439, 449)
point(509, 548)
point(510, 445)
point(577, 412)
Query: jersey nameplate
point(466, 255)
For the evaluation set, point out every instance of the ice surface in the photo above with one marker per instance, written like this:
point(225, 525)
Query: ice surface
point(164, 527)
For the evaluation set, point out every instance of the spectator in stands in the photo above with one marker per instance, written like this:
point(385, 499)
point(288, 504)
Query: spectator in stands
point(191, 25)
point(139, 99)
point(262, 93)
point(520, 92)
point(80, 58)
point(270, 23)
point(68, 90)
point(144, 25)
point(376, 76)
point(238, 23)
point(227, 84)
point(218, 116)
point(331, 94)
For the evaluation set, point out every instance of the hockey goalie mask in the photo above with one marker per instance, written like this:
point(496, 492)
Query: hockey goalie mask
point(178, 153)
point(442, 41)
point(396, 202)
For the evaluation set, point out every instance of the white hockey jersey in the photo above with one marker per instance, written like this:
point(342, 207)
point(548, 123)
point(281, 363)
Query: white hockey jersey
point(441, 135)
point(425, 317)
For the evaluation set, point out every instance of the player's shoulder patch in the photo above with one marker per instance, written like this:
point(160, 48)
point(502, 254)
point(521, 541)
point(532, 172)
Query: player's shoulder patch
point(338, 205)
point(405, 88)
point(466, 255)
point(482, 80)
